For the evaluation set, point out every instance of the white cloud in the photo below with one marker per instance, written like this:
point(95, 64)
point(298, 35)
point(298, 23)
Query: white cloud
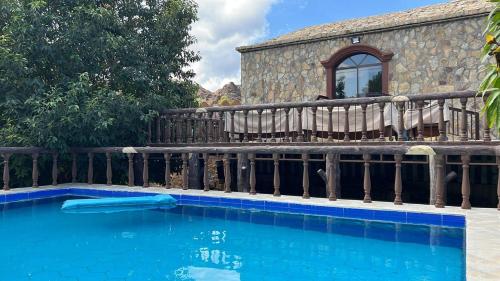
point(224, 25)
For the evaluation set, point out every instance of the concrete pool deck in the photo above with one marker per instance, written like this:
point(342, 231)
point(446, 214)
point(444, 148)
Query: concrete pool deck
point(482, 225)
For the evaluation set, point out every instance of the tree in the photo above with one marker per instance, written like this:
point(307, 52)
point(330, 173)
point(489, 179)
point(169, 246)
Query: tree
point(490, 87)
point(91, 72)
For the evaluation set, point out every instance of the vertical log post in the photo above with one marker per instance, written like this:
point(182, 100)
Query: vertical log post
point(486, 129)
point(221, 126)
point(149, 132)
point(314, 131)
point(346, 123)
point(463, 120)
point(367, 185)
point(273, 124)
point(131, 178)
point(54, 168)
point(191, 127)
point(74, 167)
point(287, 125)
point(6, 172)
point(206, 182)
point(332, 176)
point(363, 122)
point(231, 136)
point(259, 125)
point(305, 176)
point(210, 127)
point(441, 124)
point(34, 170)
point(185, 180)
point(90, 168)
point(300, 132)
point(158, 129)
point(167, 129)
point(420, 124)
point(253, 180)
point(440, 167)
point(276, 178)
point(330, 123)
point(465, 182)
point(227, 173)
point(245, 125)
point(398, 183)
point(401, 108)
point(167, 157)
point(381, 125)
point(201, 126)
point(145, 170)
point(109, 170)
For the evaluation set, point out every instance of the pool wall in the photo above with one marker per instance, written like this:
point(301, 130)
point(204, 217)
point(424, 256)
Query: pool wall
point(435, 219)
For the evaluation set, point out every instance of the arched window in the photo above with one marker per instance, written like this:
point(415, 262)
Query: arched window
point(357, 71)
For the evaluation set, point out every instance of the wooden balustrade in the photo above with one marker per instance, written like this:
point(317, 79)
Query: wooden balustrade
point(331, 153)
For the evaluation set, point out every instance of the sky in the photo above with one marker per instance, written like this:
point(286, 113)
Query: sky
point(224, 25)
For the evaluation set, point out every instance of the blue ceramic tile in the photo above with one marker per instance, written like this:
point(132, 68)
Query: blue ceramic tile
point(231, 205)
point(299, 206)
point(277, 209)
point(16, 197)
point(190, 197)
point(421, 218)
point(272, 205)
point(454, 221)
point(358, 213)
point(209, 199)
point(253, 202)
point(175, 196)
point(225, 201)
point(188, 202)
point(2, 198)
point(393, 216)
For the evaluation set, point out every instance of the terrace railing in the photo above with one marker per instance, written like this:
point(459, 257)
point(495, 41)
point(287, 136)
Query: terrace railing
point(439, 117)
point(332, 155)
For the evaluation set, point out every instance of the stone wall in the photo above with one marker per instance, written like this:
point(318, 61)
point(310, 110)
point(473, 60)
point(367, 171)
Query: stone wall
point(433, 58)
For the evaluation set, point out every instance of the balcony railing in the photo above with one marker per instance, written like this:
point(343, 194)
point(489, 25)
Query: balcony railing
point(438, 117)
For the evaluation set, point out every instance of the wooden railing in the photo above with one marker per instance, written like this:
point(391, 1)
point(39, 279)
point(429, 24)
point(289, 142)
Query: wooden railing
point(332, 155)
point(424, 118)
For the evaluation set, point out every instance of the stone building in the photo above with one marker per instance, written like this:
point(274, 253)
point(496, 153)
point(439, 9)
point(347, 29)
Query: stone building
point(429, 49)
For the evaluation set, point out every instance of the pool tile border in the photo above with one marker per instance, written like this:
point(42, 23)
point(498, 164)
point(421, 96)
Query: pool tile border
point(411, 217)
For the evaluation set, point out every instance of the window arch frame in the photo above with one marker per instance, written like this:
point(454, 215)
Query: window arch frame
point(338, 57)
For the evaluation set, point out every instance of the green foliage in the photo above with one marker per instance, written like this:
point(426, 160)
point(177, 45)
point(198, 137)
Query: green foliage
point(490, 86)
point(91, 72)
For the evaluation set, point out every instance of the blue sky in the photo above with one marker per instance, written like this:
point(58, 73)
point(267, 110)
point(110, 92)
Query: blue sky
point(290, 15)
point(224, 25)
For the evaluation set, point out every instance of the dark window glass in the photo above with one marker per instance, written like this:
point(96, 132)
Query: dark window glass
point(358, 76)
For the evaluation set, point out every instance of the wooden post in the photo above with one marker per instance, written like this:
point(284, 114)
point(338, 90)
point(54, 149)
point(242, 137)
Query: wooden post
point(231, 136)
point(167, 157)
point(420, 124)
point(6, 174)
point(273, 124)
point(74, 167)
point(486, 129)
point(314, 133)
point(167, 129)
point(90, 169)
point(259, 125)
point(381, 125)
point(401, 108)
point(200, 127)
point(305, 176)
point(190, 128)
point(131, 178)
point(440, 167)
point(206, 182)
point(300, 132)
point(346, 122)
point(367, 185)
point(287, 125)
point(463, 120)
point(332, 176)
point(210, 127)
point(149, 132)
point(253, 180)
point(54, 168)
point(34, 170)
point(276, 178)
point(145, 170)
point(245, 126)
point(227, 173)
point(109, 170)
point(441, 124)
point(330, 123)
point(398, 183)
point(363, 122)
point(158, 129)
point(185, 180)
point(465, 182)
point(221, 126)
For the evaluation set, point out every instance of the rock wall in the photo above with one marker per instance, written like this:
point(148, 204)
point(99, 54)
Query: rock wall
point(432, 58)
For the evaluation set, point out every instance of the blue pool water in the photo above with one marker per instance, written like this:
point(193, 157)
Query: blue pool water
point(39, 242)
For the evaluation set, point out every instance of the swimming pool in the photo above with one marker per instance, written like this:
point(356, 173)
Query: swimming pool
point(39, 242)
